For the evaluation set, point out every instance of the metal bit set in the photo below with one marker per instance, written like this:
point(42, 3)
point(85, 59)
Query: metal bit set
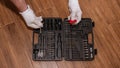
point(58, 39)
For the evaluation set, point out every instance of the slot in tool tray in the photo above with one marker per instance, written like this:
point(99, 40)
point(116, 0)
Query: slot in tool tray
point(58, 39)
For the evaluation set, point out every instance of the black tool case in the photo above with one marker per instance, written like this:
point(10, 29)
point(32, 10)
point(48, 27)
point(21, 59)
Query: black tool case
point(59, 40)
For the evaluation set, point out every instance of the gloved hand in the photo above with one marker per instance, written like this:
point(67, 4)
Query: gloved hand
point(31, 19)
point(75, 11)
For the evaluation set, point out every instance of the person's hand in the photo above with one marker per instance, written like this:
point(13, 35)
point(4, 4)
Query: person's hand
point(75, 11)
point(31, 19)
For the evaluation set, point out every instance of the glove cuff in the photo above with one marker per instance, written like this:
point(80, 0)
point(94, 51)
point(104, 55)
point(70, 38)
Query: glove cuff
point(73, 1)
point(26, 11)
point(28, 15)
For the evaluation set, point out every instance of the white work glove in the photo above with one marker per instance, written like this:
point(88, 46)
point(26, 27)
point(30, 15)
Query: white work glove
point(31, 19)
point(75, 11)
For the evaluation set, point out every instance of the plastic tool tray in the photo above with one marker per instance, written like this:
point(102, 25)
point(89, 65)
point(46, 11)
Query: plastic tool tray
point(59, 40)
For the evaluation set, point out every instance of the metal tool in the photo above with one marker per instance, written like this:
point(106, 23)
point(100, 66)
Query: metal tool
point(40, 53)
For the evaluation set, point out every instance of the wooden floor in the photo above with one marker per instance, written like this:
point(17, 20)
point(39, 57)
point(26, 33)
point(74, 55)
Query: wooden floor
point(16, 38)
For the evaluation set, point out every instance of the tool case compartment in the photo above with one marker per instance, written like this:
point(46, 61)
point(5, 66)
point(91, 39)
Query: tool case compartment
point(58, 39)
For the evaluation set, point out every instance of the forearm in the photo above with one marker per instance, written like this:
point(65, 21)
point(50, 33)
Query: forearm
point(20, 4)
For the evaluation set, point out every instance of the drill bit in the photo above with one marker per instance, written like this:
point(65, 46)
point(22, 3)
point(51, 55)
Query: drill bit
point(40, 53)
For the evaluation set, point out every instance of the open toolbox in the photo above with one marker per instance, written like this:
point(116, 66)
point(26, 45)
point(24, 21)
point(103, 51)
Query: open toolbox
point(59, 40)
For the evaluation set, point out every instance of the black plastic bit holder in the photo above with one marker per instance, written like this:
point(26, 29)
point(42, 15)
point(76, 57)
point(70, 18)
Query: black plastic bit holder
point(58, 39)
